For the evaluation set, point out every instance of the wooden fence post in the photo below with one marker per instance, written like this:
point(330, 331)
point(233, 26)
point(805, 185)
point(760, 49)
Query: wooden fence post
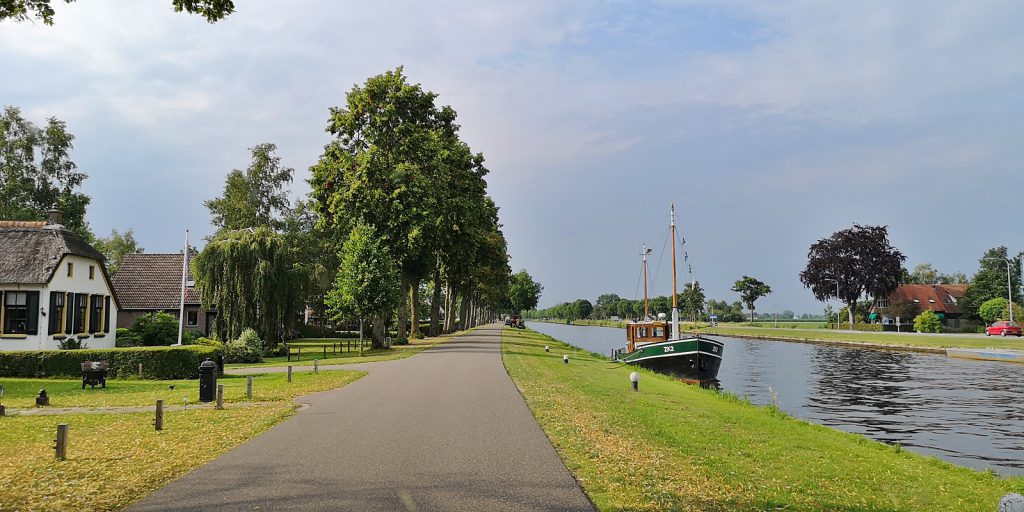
point(220, 396)
point(61, 443)
point(158, 422)
point(248, 387)
point(289, 373)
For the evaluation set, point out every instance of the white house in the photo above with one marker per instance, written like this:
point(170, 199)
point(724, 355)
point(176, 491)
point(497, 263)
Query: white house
point(53, 285)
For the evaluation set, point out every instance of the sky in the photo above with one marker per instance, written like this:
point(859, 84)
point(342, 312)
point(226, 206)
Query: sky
point(769, 124)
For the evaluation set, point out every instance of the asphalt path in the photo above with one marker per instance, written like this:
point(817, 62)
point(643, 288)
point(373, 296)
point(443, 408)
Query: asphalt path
point(445, 429)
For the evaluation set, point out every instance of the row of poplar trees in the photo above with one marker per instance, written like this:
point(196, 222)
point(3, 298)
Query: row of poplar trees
point(398, 205)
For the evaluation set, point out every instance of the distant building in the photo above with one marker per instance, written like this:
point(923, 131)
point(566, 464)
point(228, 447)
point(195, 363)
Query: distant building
point(53, 285)
point(911, 299)
point(151, 283)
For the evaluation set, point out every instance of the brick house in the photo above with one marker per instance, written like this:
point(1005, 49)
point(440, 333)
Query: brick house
point(53, 286)
point(943, 299)
point(150, 283)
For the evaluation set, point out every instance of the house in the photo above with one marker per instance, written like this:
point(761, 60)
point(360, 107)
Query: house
point(150, 283)
point(910, 299)
point(53, 286)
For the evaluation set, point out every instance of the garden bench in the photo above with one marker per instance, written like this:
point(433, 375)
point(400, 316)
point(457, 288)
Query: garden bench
point(94, 372)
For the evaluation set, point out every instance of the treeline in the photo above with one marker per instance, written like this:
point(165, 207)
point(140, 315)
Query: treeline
point(693, 306)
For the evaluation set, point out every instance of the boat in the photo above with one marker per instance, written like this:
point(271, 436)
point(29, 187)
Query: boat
point(658, 345)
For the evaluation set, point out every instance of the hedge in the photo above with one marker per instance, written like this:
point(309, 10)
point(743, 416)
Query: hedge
point(157, 362)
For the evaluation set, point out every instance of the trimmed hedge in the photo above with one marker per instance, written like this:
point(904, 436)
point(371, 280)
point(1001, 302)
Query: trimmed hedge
point(157, 362)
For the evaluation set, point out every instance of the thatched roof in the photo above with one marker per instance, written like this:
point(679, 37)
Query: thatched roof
point(152, 282)
point(30, 254)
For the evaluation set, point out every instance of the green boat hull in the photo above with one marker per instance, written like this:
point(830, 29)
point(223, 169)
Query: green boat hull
point(695, 358)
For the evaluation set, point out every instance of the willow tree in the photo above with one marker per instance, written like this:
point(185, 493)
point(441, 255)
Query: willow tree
point(251, 278)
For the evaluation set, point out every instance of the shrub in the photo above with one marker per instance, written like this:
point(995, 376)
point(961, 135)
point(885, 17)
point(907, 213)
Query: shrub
point(248, 348)
point(927, 321)
point(71, 343)
point(160, 329)
point(996, 309)
point(400, 341)
point(190, 336)
point(417, 335)
point(208, 342)
point(157, 362)
point(125, 338)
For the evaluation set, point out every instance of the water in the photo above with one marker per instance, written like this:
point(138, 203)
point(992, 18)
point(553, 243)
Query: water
point(966, 412)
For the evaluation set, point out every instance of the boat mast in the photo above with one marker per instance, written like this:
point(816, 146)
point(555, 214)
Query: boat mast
point(644, 252)
point(675, 303)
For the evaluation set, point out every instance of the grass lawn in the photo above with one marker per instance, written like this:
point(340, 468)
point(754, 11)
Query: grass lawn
point(312, 348)
point(677, 447)
point(21, 393)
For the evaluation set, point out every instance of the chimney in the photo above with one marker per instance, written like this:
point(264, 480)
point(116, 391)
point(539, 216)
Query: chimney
point(54, 217)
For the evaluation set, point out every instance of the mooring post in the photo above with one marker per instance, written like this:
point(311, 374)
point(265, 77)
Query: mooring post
point(158, 422)
point(290, 373)
point(248, 387)
point(61, 443)
point(220, 396)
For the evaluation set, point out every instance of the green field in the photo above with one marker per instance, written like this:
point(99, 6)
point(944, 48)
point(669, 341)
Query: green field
point(313, 348)
point(677, 447)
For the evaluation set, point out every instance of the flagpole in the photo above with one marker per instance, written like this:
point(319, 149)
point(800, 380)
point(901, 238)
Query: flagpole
point(184, 277)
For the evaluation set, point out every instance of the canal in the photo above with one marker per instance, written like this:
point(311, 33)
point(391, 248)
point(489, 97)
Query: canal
point(966, 412)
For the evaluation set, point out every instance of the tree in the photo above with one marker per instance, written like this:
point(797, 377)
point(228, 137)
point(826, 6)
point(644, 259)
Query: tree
point(860, 259)
point(582, 308)
point(37, 173)
point(990, 282)
point(314, 250)
point(254, 197)
point(22, 10)
point(997, 309)
point(251, 278)
point(691, 301)
point(750, 290)
point(116, 246)
point(928, 321)
point(367, 282)
point(923, 274)
point(524, 292)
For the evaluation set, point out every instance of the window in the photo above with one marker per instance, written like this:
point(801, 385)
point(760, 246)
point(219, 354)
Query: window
point(95, 313)
point(71, 269)
point(81, 307)
point(21, 313)
point(56, 313)
point(192, 318)
point(92, 272)
point(882, 303)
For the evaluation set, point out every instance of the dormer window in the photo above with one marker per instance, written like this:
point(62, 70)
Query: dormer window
point(916, 301)
point(71, 269)
point(931, 301)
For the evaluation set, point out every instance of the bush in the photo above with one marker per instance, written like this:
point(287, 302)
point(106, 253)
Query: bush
point(928, 321)
point(400, 341)
point(417, 335)
point(71, 343)
point(996, 309)
point(190, 336)
point(248, 348)
point(125, 338)
point(160, 329)
point(157, 362)
point(208, 342)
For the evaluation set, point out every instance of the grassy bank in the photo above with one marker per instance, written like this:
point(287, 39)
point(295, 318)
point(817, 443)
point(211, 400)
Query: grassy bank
point(677, 447)
point(115, 459)
point(893, 339)
point(313, 348)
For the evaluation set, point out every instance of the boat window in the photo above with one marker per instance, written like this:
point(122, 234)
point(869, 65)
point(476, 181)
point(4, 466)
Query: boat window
point(659, 332)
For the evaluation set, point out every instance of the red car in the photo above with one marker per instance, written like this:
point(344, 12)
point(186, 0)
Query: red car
point(1003, 328)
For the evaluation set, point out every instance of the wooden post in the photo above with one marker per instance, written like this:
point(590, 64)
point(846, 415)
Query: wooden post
point(325, 351)
point(288, 352)
point(220, 396)
point(61, 443)
point(316, 366)
point(298, 358)
point(290, 372)
point(248, 387)
point(158, 422)
point(140, 370)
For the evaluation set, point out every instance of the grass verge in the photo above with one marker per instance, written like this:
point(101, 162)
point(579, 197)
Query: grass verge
point(20, 393)
point(677, 447)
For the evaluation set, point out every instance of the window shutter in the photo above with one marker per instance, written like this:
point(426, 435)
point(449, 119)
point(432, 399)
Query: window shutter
point(94, 317)
point(32, 308)
point(69, 313)
point(106, 314)
point(52, 311)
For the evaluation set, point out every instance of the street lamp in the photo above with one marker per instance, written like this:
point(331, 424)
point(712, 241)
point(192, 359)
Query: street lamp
point(1009, 287)
point(837, 299)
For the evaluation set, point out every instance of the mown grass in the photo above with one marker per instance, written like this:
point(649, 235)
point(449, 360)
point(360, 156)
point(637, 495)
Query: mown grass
point(21, 393)
point(312, 348)
point(677, 447)
point(114, 459)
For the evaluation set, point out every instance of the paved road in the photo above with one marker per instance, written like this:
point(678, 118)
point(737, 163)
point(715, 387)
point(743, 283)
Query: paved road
point(443, 430)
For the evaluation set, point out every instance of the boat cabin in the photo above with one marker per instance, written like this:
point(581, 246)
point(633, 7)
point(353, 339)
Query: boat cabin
point(639, 333)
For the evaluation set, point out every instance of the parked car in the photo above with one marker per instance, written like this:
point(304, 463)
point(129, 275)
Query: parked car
point(1003, 328)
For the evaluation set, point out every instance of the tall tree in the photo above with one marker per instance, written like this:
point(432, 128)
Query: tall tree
point(860, 259)
point(21, 10)
point(116, 246)
point(989, 282)
point(314, 250)
point(524, 292)
point(692, 301)
point(750, 290)
point(256, 196)
point(923, 273)
point(367, 282)
point(37, 173)
point(250, 277)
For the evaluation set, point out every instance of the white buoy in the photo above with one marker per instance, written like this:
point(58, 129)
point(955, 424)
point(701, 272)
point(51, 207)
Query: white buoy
point(1012, 502)
point(634, 380)
point(565, 359)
